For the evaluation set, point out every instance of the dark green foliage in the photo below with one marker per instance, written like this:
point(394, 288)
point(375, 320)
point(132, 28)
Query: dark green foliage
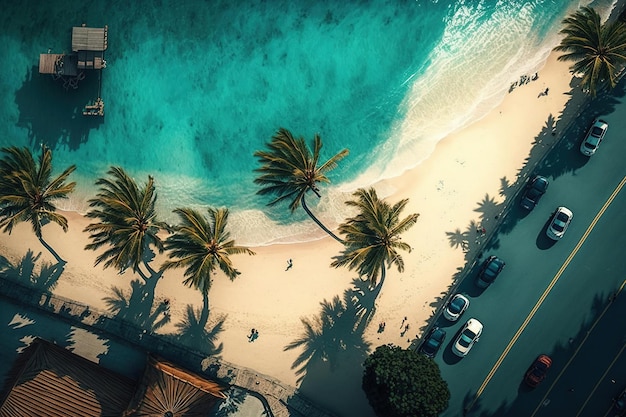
point(597, 50)
point(404, 383)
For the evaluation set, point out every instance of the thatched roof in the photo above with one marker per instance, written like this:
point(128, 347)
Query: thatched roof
point(169, 390)
point(48, 380)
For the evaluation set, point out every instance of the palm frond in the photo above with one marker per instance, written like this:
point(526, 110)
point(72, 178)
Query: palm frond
point(127, 221)
point(201, 245)
point(373, 235)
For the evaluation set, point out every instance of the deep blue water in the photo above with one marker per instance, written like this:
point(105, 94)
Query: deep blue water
point(193, 88)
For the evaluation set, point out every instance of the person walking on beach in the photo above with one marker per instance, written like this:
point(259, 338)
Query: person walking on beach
point(289, 265)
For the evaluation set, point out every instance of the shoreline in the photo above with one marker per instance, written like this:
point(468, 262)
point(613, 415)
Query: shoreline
point(466, 171)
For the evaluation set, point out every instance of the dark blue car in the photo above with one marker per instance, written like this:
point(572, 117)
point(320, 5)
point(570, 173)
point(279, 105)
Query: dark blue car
point(433, 342)
point(489, 271)
point(535, 188)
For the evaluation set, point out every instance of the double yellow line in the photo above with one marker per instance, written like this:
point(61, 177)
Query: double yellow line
point(545, 294)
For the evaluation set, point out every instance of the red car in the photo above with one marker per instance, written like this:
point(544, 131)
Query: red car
point(537, 371)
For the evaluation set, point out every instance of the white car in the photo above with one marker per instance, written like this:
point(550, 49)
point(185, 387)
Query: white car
point(594, 137)
point(559, 223)
point(456, 307)
point(469, 335)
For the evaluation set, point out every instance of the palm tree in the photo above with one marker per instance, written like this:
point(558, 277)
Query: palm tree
point(128, 223)
point(28, 192)
point(202, 245)
point(289, 170)
point(373, 236)
point(598, 50)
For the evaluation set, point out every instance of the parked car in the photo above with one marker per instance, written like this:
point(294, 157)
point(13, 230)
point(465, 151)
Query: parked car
point(535, 188)
point(456, 307)
point(538, 371)
point(560, 221)
point(489, 271)
point(594, 136)
point(619, 402)
point(467, 338)
point(433, 341)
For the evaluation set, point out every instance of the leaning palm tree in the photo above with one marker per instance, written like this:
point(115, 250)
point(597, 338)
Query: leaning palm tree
point(289, 170)
point(28, 192)
point(202, 245)
point(372, 237)
point(127, 222)
point(597, 50)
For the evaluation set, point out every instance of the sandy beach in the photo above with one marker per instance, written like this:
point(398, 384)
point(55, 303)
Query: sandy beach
point(462, 186)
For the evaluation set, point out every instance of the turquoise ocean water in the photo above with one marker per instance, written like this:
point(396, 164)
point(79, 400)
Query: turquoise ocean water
point(193, 88)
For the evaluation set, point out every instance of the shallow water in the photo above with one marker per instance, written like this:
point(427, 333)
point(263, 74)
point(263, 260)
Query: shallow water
point(193, 88)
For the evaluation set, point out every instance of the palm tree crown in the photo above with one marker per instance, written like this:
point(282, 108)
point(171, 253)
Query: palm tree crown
point(598, 50)
point(128, 222)
point(372, 237)
point(202, 245)
point(28, 191)
point(289, 170)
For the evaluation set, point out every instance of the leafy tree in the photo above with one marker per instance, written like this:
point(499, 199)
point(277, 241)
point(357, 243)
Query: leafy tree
point(404, 383)
point(289, 170)
point(128, 223)
point(373, 236)
point(597, 50)
point(28, 192)
point(202, 245)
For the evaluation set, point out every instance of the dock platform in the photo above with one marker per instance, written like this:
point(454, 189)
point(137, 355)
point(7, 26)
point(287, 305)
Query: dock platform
point(88, 47)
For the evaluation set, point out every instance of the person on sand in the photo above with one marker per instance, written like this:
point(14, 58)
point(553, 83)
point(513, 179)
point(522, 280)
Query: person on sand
point(289, 265)
point(251, 335)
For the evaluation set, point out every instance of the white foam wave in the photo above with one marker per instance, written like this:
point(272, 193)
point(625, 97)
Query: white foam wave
point(468, 74)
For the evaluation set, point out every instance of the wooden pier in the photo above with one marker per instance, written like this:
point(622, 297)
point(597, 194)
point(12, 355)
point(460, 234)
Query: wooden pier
point(88, 47)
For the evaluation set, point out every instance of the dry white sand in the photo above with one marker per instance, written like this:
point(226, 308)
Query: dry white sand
point(466, 169)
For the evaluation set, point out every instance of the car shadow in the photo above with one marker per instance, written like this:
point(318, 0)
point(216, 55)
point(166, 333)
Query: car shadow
point(543, 242)
point(523, 387)
point(447, 355)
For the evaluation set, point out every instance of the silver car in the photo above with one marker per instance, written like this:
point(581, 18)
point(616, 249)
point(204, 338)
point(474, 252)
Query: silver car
point(469, 335)
point(594, 137)
point(456, 307)
point(559, 223)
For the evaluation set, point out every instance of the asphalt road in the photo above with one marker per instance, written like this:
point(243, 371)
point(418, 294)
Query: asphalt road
point(553, 298)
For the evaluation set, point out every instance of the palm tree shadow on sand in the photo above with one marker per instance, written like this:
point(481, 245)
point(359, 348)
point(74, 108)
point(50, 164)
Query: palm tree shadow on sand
point(194, 332)
point(25, 272)
point(333, 348)
point(137, 306)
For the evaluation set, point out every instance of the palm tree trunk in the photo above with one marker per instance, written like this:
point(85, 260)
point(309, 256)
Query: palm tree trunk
point(319, 223)
point(56, 255)
point(383, 274)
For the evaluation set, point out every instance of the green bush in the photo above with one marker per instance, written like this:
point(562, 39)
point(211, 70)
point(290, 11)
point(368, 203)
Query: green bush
point(404, 383)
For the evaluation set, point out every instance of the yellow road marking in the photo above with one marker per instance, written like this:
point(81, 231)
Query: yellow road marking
point(544, 295)
point(580, 345)
point(601, 379)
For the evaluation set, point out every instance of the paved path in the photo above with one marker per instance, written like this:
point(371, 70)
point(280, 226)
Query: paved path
point(280, 400)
